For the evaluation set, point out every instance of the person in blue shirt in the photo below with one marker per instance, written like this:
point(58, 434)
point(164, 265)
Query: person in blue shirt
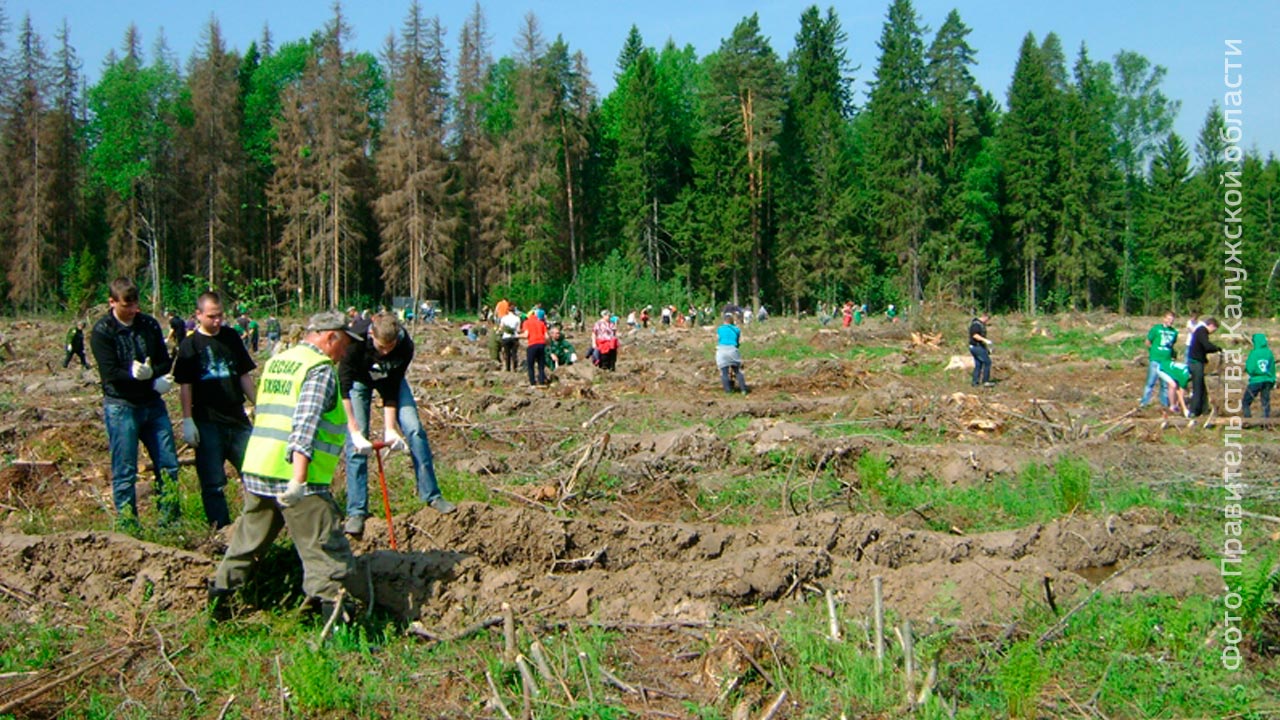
point(728, 357)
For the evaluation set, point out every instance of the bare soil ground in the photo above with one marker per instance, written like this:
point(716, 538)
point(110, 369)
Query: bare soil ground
point(599, 476)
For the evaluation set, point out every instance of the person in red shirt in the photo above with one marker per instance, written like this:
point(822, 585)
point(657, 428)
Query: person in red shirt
point(534, 332)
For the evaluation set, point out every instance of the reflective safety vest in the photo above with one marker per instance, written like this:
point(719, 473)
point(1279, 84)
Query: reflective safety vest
point(278, 390)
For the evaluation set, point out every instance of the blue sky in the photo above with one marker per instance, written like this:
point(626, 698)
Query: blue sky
point(1185, 36)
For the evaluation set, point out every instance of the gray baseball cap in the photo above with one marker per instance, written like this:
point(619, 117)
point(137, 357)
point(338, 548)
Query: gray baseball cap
point(322, 322)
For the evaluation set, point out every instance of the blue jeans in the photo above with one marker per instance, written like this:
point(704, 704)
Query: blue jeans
point(358, 465)
point(981, 363)
point(219, 442)
point(126, 426)
point(1259, 390)
point(1153, 379)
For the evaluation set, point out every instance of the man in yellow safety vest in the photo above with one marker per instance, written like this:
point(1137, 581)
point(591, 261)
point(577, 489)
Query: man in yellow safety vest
point(298, 433)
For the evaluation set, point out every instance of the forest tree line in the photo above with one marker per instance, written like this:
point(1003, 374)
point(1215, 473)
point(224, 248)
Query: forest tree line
point(309, 172)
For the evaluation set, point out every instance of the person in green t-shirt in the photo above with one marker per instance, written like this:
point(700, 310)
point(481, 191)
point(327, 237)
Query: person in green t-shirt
point(1261, 366)
point(1175, 376)
point(1160, 340)
point(891, 314)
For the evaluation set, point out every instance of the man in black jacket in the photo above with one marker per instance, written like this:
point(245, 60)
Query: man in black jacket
point(1200, 349)
point(380, 363)
point(128, 348)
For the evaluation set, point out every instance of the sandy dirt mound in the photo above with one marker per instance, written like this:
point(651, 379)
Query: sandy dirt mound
point(457, 568)
point(82, 572)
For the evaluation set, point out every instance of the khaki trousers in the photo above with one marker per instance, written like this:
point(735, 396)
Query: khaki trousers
point(315, 525)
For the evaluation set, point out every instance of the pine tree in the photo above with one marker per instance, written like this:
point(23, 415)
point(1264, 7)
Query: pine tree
point(1171, 223)
point(66, 147)
point(1029, 154)
point(341, 135)
point(903, 184)
point(416, 205)
point(1088, 188)
point(572, 101)
point(471, 146)
point(956, 268)
point(814, 151)
point(631, 49)
point(29, 174)
point(745, 102)
point(214, 157)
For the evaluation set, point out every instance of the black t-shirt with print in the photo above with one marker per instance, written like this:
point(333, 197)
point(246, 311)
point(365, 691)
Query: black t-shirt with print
point(213, 366)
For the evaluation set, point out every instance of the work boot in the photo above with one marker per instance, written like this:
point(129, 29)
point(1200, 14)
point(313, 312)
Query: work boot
point(219, 604)
point(354, 525)
point(442, 506)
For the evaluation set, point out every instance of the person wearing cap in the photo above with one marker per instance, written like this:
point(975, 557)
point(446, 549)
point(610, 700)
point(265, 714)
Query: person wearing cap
point(133, 364)
point(212, 370)
point(728, 355)
point(379, 363)
point(604, 337)
point(298, 433)
point(534, 332)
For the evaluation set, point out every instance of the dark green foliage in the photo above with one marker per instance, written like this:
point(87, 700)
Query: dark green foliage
point(734, 175)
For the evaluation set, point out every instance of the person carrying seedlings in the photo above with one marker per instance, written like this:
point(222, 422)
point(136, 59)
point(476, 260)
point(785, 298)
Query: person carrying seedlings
point(728, 355)
point(1201, 349)
point(133, 364)
point(213, 375)
point(1175, 376)
point(1160, 341)
point(293, 453)
point(891, 313)
point(75, 345)
point(980, 349)
point(379, 363)
point(1261, 366)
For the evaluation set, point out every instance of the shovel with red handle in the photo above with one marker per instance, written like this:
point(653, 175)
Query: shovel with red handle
point(386, 499)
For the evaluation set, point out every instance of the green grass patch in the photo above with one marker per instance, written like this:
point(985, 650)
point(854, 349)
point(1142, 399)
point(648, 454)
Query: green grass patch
point(1037, 494)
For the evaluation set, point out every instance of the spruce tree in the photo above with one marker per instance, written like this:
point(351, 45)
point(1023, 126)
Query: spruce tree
point(903, 184)
point(813, 215)
point(416, 204)
point(1029, 154)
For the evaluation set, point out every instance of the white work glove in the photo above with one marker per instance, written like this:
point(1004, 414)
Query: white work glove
point(395, 440)
point(293, 492)
point(162, 384)
point(190, 433)
point(68, 348)
point(142, 370)
point(360, 443)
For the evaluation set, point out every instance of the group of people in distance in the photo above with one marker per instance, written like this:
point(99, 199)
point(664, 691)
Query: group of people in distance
point(312, 412)
point(546, 345)
point(1181, 384)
